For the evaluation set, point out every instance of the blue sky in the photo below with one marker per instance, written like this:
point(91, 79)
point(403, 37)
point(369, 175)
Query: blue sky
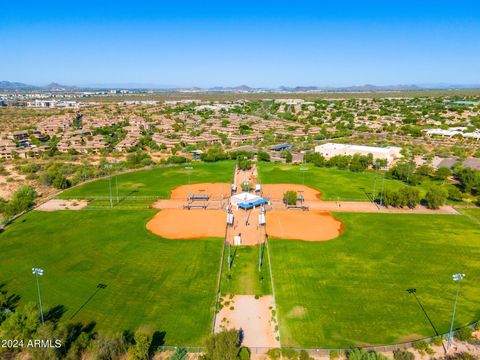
point(228, 43)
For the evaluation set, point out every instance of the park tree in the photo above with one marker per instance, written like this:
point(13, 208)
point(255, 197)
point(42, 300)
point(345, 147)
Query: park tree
point(244, 164)
point(224, 345)
point(443, 173)
point(290, 197)
point(263, 156)
point(410, 195)
point(109, 347)
point(60, 182)
point(288, 156)
point(435, 197)
point(23, 199)
point(455, 194)
point(424, 170)
point(403, 355)
point(21, 324)
point(469, 179)
point(142, 346)
point(315, 158)
point(46, 332)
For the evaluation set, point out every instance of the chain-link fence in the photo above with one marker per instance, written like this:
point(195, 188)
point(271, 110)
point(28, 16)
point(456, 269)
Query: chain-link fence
point(325, 351)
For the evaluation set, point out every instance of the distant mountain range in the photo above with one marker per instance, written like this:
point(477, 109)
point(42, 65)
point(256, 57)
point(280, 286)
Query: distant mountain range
point(7, 85)
point(18, 86)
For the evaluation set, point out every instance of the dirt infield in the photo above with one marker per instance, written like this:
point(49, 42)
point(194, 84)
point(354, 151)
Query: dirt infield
point(276, 191)
point(182, 224)
point(179, 224)
point(303, 225)
point(214, 190)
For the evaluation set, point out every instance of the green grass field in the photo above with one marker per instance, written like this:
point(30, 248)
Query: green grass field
point(244, 277)
point(332, 183)
point(343, 292)
point(140, 188)
point(352, 290)
point(161, 285)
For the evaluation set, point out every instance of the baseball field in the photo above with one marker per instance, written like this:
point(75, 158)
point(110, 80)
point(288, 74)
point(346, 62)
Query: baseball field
point(350, 290)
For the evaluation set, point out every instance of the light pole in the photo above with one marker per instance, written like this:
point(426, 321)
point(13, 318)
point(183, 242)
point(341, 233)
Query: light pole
point(116, 181)
point(303, 169)
point(457, 278)
point(109, 166)
point(38, 272)
point(381, 194)
point(188, 168)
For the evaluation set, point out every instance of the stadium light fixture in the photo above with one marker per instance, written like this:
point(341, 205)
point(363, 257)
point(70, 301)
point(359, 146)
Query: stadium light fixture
point(457, 278)
point(38, 272)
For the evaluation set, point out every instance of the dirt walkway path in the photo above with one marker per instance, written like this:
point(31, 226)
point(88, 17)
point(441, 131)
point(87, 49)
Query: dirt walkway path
point(253, 317)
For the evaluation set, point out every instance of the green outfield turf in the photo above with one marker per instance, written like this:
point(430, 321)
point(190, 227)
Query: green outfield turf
point(332, 183)
point(244, 278)
point(160, 285)
point(141, 188)
point(352, 290)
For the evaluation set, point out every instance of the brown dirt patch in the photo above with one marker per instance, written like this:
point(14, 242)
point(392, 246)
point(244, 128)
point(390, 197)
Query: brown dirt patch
point(59, 204)
point(182, 224)
point(253, 316)
point(276, 191)
point(297, 312)
point(214, 190)
point(303, 225)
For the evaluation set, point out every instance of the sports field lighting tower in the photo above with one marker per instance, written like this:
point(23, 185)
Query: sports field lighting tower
point(457, 278)
point(303, 169)
point(188, 168)
point(109, 166)
point(116, 180)
point(38, 272)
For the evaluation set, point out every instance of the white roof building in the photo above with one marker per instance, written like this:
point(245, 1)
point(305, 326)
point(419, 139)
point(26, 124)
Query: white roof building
point(329, 150)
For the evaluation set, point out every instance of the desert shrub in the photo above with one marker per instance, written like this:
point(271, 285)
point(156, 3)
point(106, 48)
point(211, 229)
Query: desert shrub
point(109, 348)
point(223, 346)
point(23, 199)
point(290, 354)
point(437, 341)
point(244, 353)
point(462, 356)
point(435, 197)
point(420, 345)
point(175, 159)
point(244, 164)
point(263, 156)
point(179, 354)
point(403, 355)
point(464, 334)
point(455, 194)
point(334, 355)
point(304, 355)
point(274, 354)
